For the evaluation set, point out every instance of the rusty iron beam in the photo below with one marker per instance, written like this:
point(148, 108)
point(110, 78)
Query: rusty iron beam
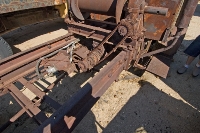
point(23, 59)
point(21, 64)
point(188, 13)
point(155, 24)
point(22, 69)
point(24, 64)
point(67, 117)
point(88, 31)
point(91, 27)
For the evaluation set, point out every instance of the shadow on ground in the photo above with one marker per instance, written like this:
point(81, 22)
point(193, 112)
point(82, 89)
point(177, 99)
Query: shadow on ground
point(151, 110)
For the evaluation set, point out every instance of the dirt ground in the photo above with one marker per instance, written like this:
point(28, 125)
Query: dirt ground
point(131, 105)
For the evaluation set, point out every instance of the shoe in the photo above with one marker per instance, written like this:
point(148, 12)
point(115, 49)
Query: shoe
point(196, 72)
point(182, 70)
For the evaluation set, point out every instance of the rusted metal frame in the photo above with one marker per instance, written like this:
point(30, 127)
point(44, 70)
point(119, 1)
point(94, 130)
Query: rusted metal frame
point(102, 22)
point(32, 88)
point(46, 99)
point(92, 59)
point(188, 13)
point(21, 104)
point(91, 27)
point(3, 91)
point(170, 29)
point(33, 109)
point(115, 48)
point(50, 87)
point(176, 38)
point(61, 60)
point(35, 48)
point(8, 78)
point(26, 58)
point(157, 25)
point(39, 117)
point(95, 55)
point(88, 33)
point(16, 116)
point(136, 13)
point(17, 74)
point(177, 14)
point(107, 38)
point(33, 78)
point(19, 114)
point(71, 113)
point(185, 13)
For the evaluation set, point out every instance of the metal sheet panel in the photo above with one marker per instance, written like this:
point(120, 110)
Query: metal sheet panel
point(157, 24)
point(159, 65)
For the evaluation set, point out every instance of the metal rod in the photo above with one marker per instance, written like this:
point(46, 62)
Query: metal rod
point(71, 113)
point(156, 10)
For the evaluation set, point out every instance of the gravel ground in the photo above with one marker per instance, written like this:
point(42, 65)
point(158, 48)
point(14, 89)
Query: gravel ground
point(145, 104)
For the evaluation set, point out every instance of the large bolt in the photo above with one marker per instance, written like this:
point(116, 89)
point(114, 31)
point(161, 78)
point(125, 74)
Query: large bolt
point(122, 30)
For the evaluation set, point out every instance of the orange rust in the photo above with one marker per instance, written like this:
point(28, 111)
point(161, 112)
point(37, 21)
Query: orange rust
point(159, 23)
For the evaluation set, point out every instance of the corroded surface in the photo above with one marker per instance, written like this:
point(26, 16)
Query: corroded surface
point(157, 24)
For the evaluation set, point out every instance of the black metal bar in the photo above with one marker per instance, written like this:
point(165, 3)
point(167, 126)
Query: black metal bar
point(51, 102)
point(72, 112)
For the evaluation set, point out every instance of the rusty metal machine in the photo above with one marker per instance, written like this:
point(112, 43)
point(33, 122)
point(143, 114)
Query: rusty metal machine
point(135, 33)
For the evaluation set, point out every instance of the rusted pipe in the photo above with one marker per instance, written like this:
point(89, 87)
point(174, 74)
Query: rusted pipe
point(176, 38)
point(156, 10)
point(188, 13)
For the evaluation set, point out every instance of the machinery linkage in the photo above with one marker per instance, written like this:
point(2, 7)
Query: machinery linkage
point(97, 30)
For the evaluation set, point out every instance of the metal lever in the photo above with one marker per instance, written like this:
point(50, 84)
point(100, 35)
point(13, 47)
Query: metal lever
point(156, 10)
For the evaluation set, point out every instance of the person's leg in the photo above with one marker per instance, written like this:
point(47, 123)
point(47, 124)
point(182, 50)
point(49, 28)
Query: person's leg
point(184, 68)
point(193, 50)
point(198, 64)
point(196, 70)
point(189, 60)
